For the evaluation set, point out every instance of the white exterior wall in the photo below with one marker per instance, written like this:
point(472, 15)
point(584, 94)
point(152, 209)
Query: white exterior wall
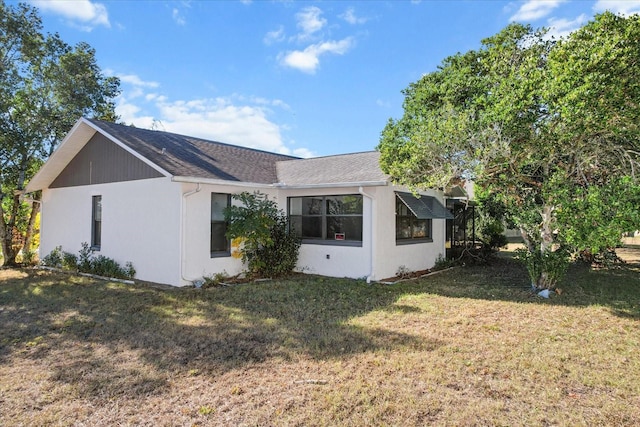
point(197, 261)
point(139, 224)
point(389, 256)
point(149, 222)
point(334, 260)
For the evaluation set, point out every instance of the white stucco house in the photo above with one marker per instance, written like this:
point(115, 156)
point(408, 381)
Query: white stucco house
point(156, 198)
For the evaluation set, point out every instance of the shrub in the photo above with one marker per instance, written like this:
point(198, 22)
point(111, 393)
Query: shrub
point(85, 258)
point(545, 268)
point(69, 261)
point(85, 262)
point(107, 267)
point(269, 249)
point(214, 280)
point(53, 258)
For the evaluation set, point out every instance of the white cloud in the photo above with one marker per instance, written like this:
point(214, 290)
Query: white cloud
point(535, 9)
point(563, 27)
point(83, 14)
point(308, 60)
point(274, 36)
point(178, 17)
point(351, 18)
point(310, 21)
point(234, 119)
point(132, 79)
point(310, 24)
point(624, 7)
point(304, 153)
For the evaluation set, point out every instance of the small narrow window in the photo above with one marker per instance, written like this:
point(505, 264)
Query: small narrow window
point(96, 222)
point(220, 245)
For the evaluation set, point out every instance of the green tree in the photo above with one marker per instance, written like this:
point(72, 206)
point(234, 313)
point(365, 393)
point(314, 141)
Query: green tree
point(268, 248)
point(45, 86)
point(533, 121)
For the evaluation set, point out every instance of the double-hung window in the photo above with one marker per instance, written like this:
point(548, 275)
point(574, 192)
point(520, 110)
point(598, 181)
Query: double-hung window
point(220, 245)
point(96, 222)
point(324, 219)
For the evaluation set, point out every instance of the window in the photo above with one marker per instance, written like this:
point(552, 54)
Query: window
point(96, 222)
point(327, 218)
point(415, 215)
point(408, 226)
point(219, 243)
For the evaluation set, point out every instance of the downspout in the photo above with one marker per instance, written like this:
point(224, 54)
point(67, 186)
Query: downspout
point(183, 234)
point(371, 275)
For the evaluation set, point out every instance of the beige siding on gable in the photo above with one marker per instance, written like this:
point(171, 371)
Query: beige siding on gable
point(101, 161)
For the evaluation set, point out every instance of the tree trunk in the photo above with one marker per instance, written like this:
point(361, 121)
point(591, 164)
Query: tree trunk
point(546, 245)
point(3, 233)
point(28, 237)
point(7, 233)
point(527, 240)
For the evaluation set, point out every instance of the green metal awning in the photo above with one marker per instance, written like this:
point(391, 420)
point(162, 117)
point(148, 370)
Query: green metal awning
point(424, 207)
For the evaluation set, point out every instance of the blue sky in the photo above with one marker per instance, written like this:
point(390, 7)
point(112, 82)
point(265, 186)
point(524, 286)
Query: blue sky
point(307, 78)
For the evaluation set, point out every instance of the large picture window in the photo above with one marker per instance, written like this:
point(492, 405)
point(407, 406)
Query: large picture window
point(220, 245)
point(335, 219)
point(96, 222)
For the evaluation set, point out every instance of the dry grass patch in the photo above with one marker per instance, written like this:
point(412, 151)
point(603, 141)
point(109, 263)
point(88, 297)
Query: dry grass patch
point(467, 347)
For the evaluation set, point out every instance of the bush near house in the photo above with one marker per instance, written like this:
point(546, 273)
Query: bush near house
point(269, 248)
point(86, 262)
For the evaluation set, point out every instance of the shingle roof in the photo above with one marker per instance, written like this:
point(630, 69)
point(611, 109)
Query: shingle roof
point(345, 168)
point(194, 157)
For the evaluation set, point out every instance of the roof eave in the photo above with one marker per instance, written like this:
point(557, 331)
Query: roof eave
point(214, 181)
point(332, 185)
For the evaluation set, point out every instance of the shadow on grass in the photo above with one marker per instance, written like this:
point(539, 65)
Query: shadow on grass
point(94, 331)
point(106, 339)
point(505, 279)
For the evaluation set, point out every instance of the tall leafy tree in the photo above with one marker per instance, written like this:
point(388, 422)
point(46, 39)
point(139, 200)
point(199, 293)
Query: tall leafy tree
point(541, 124)
point(45, 86)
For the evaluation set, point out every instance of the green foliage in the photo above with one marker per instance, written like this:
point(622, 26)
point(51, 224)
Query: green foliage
point(599, 214)
point(490, 220)
point(269, 249)
point(545, 127)
point(86, 262)
point(546, 268)
point(46, 85)
point(107, 267)
point(443, 263)
point(85, 257)
point(69, 261)
point(215, 280)
point(53, 258)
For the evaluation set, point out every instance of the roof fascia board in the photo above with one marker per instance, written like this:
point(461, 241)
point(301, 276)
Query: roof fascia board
point(212, 181)
point(333, 185)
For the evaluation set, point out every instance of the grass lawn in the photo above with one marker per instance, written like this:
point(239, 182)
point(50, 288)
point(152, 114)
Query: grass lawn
point(469, 346)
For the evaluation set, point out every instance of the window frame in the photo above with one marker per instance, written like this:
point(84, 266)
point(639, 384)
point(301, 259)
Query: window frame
point(96, 222)
point(413, 219)
point(227, 251)
point(324, 216)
